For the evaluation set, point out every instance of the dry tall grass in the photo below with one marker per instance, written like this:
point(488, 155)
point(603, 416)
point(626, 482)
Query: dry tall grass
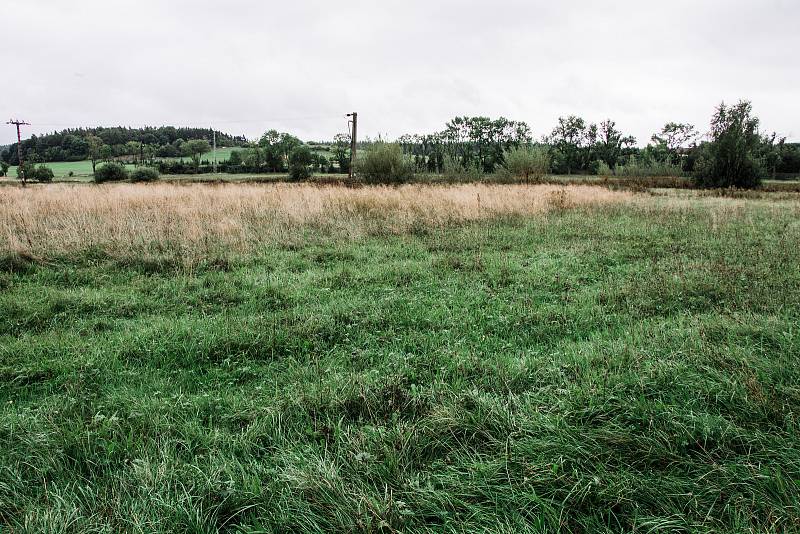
point(193, 221)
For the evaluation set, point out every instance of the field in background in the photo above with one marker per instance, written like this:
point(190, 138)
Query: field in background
point(416, 359)
point(61, 169)
point(83, 169)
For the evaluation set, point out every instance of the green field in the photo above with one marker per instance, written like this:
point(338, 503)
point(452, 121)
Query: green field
point(83, 169)
point(632, 367)
point(61, 169)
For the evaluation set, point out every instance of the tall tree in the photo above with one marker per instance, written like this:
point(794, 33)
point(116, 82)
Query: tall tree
point(94, 146)
point(568, 140)
point(673, 137)
point(341, 151)
point(106, 152)
point(277, 147)
point(732, 157)
point(611, 145)
point(195, 150)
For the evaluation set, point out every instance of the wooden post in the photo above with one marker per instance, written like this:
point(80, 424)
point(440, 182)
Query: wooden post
point(19, 148)
point(353, 141)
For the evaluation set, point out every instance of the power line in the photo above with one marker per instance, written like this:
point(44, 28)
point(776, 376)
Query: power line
point(188, 123)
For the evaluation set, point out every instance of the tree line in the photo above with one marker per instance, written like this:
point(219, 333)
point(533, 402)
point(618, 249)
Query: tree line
point(78, 144)
point(734, 152)
point(575, 146)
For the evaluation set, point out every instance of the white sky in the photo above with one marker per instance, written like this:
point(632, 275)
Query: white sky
point(245, 66)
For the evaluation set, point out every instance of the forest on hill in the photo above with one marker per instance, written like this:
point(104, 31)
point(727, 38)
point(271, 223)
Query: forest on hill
point(74, 144)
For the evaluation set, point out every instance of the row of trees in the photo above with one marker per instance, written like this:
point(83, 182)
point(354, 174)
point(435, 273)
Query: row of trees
point(575, 146)
point(467, 142)
point(142, 154)
point(734, 152)
point(480, 143)
point(274, 152)
point(145, 143)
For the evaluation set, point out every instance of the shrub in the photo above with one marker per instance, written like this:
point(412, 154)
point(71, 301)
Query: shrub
point(603, 169)
point(180, 167)
point(526, 162)
point(731, 159)
point(638, 167)
point(235, 159)
point(110, 172)
point(42, 173)
point(299, 160)
point(384, 163)
point(28, 168)
point(4, 168)
point(454, 171)
point(144, 174)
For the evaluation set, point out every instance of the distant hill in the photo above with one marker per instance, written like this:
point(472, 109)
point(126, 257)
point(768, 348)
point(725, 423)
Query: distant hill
point(72, 145)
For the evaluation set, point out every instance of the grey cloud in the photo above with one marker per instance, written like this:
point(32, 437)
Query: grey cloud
point(247, 66)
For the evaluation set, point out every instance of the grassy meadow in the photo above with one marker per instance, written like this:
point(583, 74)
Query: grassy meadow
point(61, 169)
point(449, 358)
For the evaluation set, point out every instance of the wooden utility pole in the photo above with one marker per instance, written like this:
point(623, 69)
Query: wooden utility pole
point(21, 168)
point(353, 141)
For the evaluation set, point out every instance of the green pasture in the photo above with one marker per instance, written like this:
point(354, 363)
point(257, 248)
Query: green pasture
point(624, 369)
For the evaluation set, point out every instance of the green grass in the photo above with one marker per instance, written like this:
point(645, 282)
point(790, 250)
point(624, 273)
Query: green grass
point(585, 371)
point(61, 169)
point(83, 169)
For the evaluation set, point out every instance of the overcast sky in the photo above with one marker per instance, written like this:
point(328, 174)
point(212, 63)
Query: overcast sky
point(245, 66)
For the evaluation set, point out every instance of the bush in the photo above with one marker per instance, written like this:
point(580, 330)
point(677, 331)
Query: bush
point(28, 168)
point(643, 168)
point(299, 160)
point(110, 172)
point(4, 165)
point(526, 162)
point(731, 159)
point(235, 159)
point(42, 174)
point(384, 163)
point(603, 169)
point(144, 174)
point(455, 171)
point(180, 167)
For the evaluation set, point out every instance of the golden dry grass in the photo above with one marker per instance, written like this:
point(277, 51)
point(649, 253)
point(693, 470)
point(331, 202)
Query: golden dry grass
point(195, 220)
